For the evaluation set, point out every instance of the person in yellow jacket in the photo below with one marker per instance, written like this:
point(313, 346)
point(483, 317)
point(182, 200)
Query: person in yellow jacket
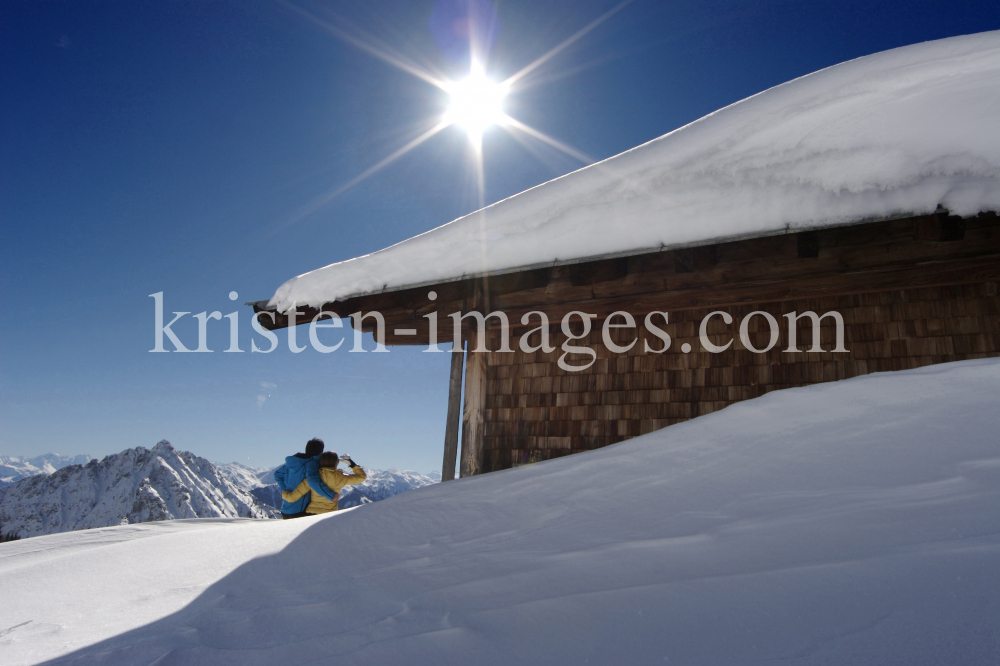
point(334, 479)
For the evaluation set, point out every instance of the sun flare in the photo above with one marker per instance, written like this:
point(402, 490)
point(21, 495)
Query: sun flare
point(476, 102)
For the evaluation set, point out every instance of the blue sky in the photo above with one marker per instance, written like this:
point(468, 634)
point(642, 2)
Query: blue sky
point(173, 146)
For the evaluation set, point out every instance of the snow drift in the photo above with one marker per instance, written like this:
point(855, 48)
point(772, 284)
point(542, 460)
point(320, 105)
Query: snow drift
point(896, 133)
point(853, 522)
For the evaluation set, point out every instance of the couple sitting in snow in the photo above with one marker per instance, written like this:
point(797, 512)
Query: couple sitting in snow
point(310, 482)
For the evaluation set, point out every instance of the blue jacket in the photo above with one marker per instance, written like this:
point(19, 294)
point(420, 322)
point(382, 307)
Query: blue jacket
point(291, 474)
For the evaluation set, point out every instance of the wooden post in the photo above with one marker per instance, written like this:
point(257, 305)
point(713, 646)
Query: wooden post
point(454, 413)
point(472, 416)
point(473, 426)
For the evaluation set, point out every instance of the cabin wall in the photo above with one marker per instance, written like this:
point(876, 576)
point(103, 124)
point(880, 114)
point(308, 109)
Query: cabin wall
point(535, 411)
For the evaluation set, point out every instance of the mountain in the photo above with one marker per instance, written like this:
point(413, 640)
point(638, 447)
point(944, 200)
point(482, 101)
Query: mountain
point(258, 481)
point(15, 468)
point(269, 495)
point(134, 486)
point(380, 484)
point(383, 484)
point(245, 476)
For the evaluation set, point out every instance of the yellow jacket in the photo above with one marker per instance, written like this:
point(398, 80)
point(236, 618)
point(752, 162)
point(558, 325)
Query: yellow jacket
point(334, 479)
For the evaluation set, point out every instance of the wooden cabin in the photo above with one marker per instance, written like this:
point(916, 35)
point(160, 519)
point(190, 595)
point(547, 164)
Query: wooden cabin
point(774, 205)
point(911, 291)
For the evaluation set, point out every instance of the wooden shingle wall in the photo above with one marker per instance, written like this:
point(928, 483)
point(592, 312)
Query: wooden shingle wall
point(536, 410)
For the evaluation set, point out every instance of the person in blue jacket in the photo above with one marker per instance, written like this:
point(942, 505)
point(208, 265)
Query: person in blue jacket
point(296, 468)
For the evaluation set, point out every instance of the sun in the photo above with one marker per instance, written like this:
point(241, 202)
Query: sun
point(476, 102)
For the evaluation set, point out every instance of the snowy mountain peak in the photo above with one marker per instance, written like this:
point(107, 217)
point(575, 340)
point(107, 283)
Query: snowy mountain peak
point(15, 468)
point(136, 485)
point(162, 446)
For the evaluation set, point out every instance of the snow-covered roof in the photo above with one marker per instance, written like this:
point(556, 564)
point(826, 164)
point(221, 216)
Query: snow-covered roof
point(899, 132)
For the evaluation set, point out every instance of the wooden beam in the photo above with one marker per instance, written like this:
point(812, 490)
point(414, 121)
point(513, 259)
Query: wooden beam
point(454, 412)
point(473, 421)
point(740, 291)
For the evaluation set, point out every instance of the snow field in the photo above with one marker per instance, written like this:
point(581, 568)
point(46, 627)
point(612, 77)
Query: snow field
point(854, 522)
point(75, 588)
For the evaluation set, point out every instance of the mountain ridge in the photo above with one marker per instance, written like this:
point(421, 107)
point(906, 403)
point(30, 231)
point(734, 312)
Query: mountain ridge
point(15, 468)
point(133, 486)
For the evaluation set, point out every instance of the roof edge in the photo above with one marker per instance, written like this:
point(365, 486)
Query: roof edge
point(262, 305)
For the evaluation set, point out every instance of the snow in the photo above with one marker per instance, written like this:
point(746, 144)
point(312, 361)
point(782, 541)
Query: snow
point(853, 522)
point(899, 132)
